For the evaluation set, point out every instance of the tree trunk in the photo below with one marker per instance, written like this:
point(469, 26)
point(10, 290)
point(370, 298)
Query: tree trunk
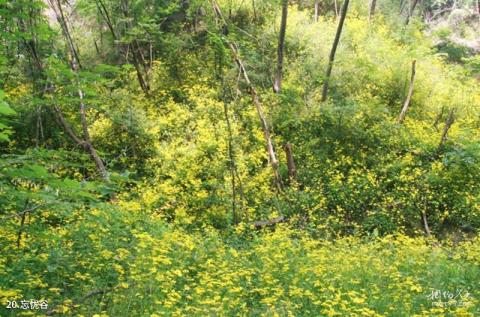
point(446, 128)
point(66, 33)
point(104, 13)
point(39, 128)
point(22, 222)
point(86, 135)
point(438, 118)
point(137, 56)
point(425, 224)
point(75, 65)
point(316, 11)
point(96, 47)
point(140, 78)
point(255, 99)
point(403, 113)
point(373, 5)
point(36, 68)
point(68, 129)
point(277, 86)
point(334, 50)
point(231, 155)
point(292, 170)
point(410, 13)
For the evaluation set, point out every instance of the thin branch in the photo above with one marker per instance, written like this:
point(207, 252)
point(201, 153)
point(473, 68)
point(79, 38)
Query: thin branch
point(22, 222)
point(22, 212)
point(410, 13)
point(425, 224)
point(67, 127)
point(403, 113)
point(268, 223)
point(446, 128)
point(255, 99)
point(334, 50)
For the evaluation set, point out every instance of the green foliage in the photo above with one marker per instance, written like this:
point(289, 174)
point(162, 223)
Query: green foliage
point(473, 65)
point(112, 262)
point(44, 178)
point(5, 110)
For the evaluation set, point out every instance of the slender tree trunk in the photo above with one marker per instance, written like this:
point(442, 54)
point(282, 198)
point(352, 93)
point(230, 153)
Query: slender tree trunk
point(373, 5)
point(68, 129)
point(292, 170)
point(39, 128)
point(140, 78)
point(66, 33)
point(86, 135)
point(36, 68)
point(410, 13)
point(336, 8)
point(255, 99)
point(425, 224)
point(403, 113)
point(75, 65)
point(232, 164)
point(277, 86)
point(22, 222)
point(446, 128)
point(137, 55)
point(96, 47)
point(331, 58)
point(316, 11)
point(150, 57)
point(438, 118)
point(106, 17)
point(401, 6)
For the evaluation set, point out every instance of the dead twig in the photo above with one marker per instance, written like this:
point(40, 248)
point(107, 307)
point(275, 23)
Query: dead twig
point(268, 223)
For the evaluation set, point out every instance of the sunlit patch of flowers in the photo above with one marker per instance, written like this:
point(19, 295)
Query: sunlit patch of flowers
point(152, 269)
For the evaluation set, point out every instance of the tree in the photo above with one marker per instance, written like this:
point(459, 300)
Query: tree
point(373, 4)
point(136, 28)
point(137, 55)
point(448, 124)
point(331, 58)
point(75, 65)
point(292, 169)
point(410, 12)
point(277, 86)
point(255, 98)
point(406, 104)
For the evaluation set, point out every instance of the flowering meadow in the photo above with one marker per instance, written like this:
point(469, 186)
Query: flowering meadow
point(110, 263)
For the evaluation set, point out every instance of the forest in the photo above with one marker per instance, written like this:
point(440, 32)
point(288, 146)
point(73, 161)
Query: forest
point(239, 158)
